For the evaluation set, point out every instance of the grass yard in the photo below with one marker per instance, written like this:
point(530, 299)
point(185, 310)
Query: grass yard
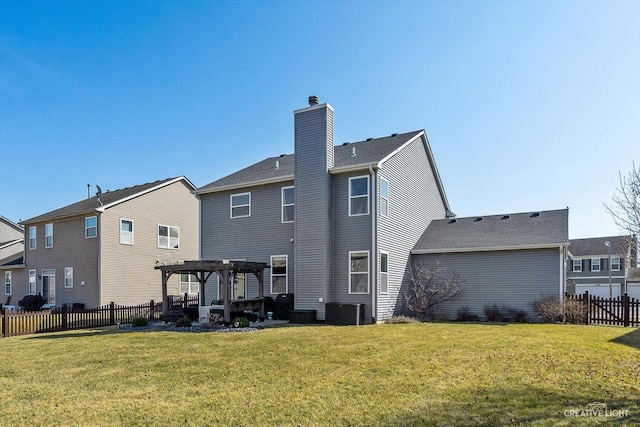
point(396, 375)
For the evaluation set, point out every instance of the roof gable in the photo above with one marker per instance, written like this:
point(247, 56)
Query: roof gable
point(106, 200)
point(495, 232)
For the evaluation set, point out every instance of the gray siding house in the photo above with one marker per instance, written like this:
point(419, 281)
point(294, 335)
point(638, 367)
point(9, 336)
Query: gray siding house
point(11, 255)
point(508, 260)
point(589, 267)
point(336, 223)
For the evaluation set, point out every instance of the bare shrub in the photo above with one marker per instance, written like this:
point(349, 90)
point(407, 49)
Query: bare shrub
point(466, 315)
point(430, 287)
point(574, 312)
point(549, 309)
point(495, 312)
point(517, 315)
point(400, 319)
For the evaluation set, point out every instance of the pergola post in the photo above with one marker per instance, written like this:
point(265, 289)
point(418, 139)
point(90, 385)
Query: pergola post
point(260, 276)
point(165, 300)
point(226, 291)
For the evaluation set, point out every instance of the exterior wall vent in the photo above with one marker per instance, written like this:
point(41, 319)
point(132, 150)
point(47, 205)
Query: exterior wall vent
point(313, 100)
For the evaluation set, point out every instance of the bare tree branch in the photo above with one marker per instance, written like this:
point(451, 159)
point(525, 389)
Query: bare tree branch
point(430, 287)
point(625, 206)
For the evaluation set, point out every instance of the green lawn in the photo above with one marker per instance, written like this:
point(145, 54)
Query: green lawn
point(408, 374)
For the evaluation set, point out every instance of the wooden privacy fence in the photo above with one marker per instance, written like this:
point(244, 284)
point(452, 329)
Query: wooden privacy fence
point(65, 319)
point(621, 311)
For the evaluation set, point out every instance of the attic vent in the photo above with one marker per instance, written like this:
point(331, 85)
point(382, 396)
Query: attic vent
point(345, 143)
point(535, 214)
point(505, 216)
point(313, 100)
point(369, 139)
point(282, 155)
point(394, 134)
point(479, 218)
point(353, 152)
point(451, 221)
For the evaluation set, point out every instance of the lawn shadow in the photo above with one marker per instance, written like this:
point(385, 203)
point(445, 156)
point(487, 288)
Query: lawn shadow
point(489, 406)
point(70, 334)
point(631, 339)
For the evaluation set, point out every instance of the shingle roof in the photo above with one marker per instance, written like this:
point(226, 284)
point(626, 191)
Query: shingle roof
point(106, 198)
point(370, 151)
point(544, 228)
point(596, 245)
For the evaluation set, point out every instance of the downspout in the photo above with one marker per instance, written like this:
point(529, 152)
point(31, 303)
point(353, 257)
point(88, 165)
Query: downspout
point(99, 260)
point(374, 253)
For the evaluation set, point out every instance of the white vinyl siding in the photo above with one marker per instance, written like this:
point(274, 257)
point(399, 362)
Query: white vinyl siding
point(32, 237)
point(576, 265)
point(168, 237)
point(359, 272)
point(32, 282)
point(359, 195)
point(240, 205)
point(126, 232)
point(7, 283)
point(288, 204)
point(279, 274)
point(48, 235)
point(384, 197)
point(68, 277)
point(615, 264)
point(90, 227)
point(595, 264)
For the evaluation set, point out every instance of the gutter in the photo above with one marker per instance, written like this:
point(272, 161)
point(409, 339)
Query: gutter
point(374, 252)
point(485, 249)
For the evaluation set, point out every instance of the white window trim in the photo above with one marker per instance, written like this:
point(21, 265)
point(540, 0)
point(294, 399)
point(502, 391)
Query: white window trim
point(34, 238)
point(169, 227)
point(33, 274)
point(384, 198)
point(49, 272)
point(360, 273)
point(132, 230)
point(46, 245)
point(352, 197)
point(68, 283)
point(384, 273)
point(573, 265)
point(231, 205)
point(7, 274)
point(283, 205)
point(619, 264)
point(286, 274)
point(86, 229)
point(593, 264)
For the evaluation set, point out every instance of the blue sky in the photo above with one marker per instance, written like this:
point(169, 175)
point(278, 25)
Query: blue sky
point(528, 105)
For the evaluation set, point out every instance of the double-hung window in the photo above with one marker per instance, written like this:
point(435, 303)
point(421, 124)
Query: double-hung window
point(576, 265)
point(189, 284)
point(279, 274)
point(359, 195)
point(240, 205)
point(595, 264)
point(32, 237)
point(7, 283)
point(615, 264)
point(384, 272)
point(68, 277)
point(90, 227)
point(359, 272)
point(168, 237)
point(288, 204)
point(384, 197)
point(48, 235)
point(32, 282)
point(126, 232)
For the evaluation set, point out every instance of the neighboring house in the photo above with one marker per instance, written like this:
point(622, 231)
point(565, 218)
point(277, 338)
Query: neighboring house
point(338, 224)
point(509, 260)
point(105, 248)
point(11, 254)
point(589, 268)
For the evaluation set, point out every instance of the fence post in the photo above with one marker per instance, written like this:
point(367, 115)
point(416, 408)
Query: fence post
point(64, 317)
point(625, 309)
point(152, 307)
point(112, 313)
point(5, 323)
point(587, 307)
point(185, 301)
